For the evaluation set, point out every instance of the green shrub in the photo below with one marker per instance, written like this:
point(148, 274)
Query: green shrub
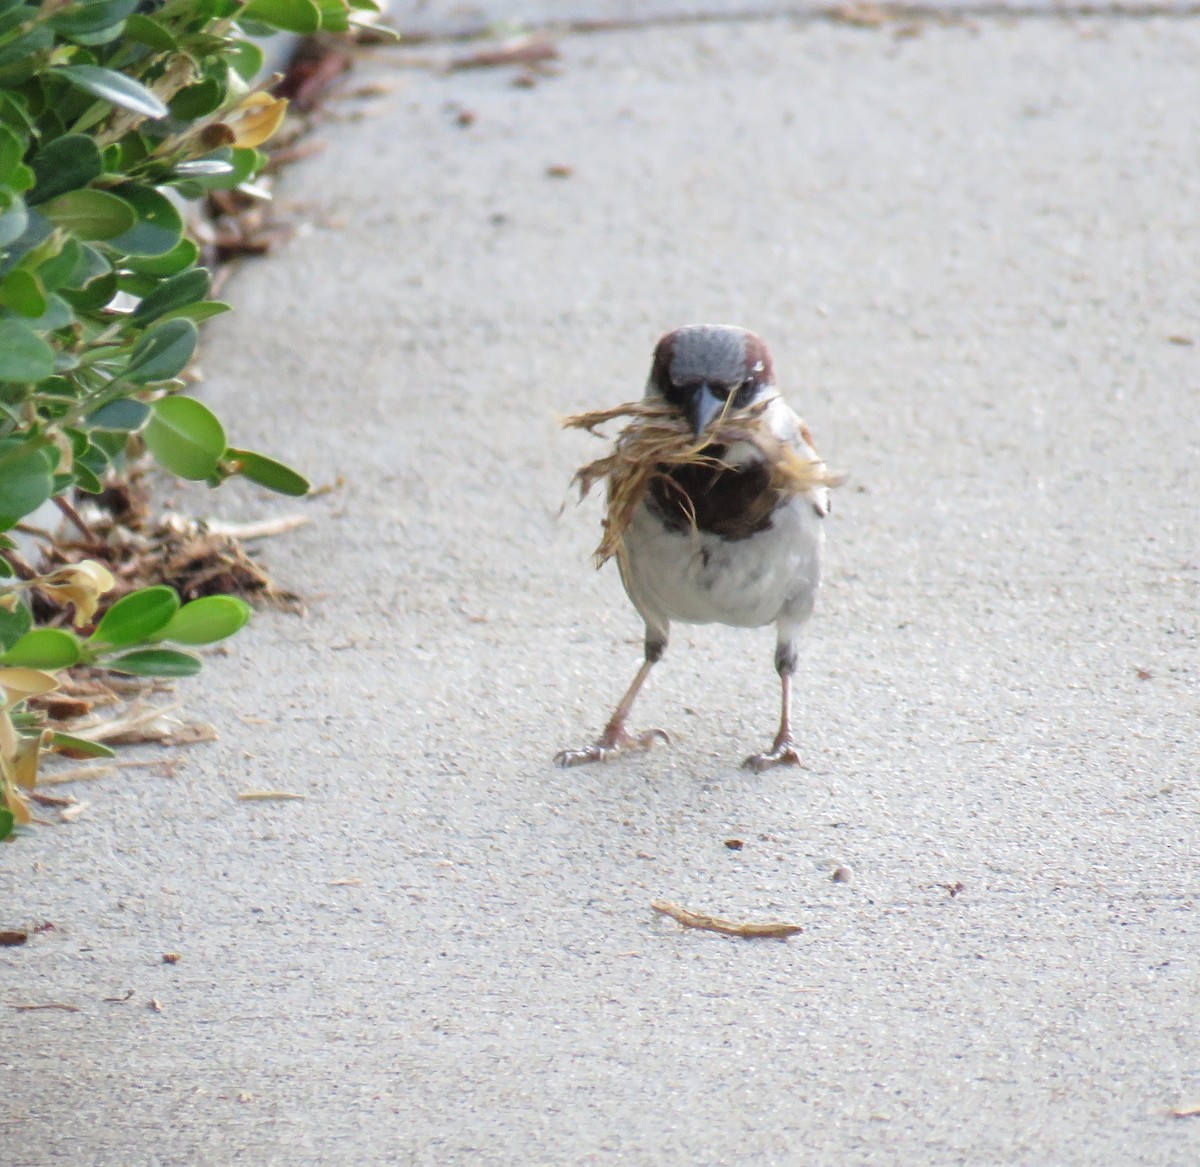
point(107, 106)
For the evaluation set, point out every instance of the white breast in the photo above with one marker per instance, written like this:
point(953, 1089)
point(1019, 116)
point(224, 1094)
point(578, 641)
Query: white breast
point(699, 578)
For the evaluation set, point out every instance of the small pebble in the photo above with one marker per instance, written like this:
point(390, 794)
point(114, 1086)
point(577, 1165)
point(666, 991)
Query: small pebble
point(841, 874)
point(734, 844)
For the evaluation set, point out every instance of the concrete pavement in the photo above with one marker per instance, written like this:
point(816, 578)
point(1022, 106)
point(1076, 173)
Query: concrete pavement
point(973, 249)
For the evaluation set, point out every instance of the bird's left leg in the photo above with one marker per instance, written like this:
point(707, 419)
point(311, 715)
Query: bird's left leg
point(616, 738)
point(784, 752)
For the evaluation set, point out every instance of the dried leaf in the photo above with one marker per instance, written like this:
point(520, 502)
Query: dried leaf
point(256, 118)
point(25, 758)
point(658, 437)
point(19, 683)
point(690, 919)
point(81, 584)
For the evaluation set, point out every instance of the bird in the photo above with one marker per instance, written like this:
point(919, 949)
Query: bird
point(716, 542)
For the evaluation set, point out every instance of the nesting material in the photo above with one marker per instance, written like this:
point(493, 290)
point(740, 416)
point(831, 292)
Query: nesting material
point(657, 439)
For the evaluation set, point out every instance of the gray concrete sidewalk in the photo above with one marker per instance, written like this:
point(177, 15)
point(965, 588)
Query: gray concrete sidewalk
point(974, 250)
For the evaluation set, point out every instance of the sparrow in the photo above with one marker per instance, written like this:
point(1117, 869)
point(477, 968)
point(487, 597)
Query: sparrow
point(715, 542)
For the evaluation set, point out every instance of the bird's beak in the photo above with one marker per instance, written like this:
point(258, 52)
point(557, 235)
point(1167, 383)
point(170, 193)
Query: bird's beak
point(702, 407)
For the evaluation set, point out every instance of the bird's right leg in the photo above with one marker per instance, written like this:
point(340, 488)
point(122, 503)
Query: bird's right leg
point(616, 738)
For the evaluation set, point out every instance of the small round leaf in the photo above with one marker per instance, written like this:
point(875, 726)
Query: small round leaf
point(44, 648)
point(269, 473)
point(136, 617)
point(163, 352)
point(71, 746)
point(159, 226)
point(156, 662)
point(124, 415)
point(91, 214)
point(24, 356)
point(207, 620)
point(185, 436)
point(185, 288)
point(114, 87)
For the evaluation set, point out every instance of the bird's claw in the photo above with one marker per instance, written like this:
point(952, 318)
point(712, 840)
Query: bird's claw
point(783, 753)
point(611, 743)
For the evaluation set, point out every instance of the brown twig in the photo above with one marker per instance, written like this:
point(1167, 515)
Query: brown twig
point(690, 919)
point(67, 507)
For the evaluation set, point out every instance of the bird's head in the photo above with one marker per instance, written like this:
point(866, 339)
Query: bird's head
point(699, 367)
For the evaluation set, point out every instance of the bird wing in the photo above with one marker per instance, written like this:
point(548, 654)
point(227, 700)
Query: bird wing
point(789, 427)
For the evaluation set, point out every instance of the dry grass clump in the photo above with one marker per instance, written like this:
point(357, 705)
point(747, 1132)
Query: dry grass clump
point(658, 439)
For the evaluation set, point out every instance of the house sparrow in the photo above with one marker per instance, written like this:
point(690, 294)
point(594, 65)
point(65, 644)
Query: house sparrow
point(720, 544)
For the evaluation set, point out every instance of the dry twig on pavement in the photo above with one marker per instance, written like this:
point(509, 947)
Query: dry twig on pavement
point(690, 919)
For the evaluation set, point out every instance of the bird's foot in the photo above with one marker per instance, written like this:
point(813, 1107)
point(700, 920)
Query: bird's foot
point(613, 741)
point(783, 753)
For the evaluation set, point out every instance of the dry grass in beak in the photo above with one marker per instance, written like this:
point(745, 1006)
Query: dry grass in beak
point(657, 438)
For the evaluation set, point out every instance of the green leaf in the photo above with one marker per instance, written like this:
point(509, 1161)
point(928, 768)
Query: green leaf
point(80, 747)
point(207, 620)
point(136, 617)
point(24, 356)
point(55, 271)
point(196, 101)
point(94, 459)
point(21, 291)
point(150, 33)
point(125, 415)
point(12, 150)
point(96, 294)
point(183, 255)
point(198, 313)
point(204, 168)
point(21, 53)
point(241, 164)
point(158, 228)
point(245, 57)
point(91, 214)
point(163, 352)
point(156, 662)
point(115, 88)
point(334, 16)
point(269, 473)
point(67, 163)
point(91, 265)
point(185, 437)
point(7, 822)
point(289, 15)
point(57, 315)
point(26, 480)
point(176, 292)
point(81, 19)
point(44, 648)
point(14, 624)
point(85, 480)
